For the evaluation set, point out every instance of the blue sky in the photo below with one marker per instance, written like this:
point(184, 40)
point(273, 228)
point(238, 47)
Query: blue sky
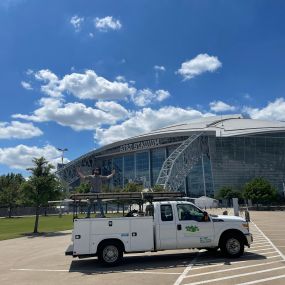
point(80, 74)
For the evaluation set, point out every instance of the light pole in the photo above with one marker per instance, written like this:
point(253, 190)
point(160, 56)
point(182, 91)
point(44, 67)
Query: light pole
point(63, 150)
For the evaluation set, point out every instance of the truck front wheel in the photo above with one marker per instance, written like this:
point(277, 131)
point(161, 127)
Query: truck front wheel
point(110, 254)
point(232, 245)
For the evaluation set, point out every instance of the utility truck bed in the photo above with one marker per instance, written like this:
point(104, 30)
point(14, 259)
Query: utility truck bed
point(136, 233)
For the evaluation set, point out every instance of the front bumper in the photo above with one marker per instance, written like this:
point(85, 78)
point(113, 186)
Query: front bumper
point(249, 239)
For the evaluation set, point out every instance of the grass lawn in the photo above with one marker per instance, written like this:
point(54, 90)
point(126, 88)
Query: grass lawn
point(18, 227)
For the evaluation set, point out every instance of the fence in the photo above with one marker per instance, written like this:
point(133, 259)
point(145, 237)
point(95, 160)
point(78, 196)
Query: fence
point(26, 211)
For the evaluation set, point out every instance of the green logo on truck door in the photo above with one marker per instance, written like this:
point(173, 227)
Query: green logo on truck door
point(192, 229)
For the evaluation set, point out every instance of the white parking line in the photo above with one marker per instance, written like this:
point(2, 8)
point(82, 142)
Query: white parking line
point(237, 275)
point(232, 269)
point(259, 250)
point(260, 243)
point(277, 238)
point(39, 270)
point(72, 271)
point(262, 280)
point(259, 239)
point(186, 270)
point(232, 262)
point(260, 246)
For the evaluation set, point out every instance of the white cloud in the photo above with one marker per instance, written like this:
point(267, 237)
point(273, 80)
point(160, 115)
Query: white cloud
point(18, 130)
point(52, 86)
point(107, 23)
point(121, 78)
point(145, 97)
point(198, 65)
point(159, 68)
point(92, 86)
point(21, 156)
point(219, 106)
point(76, 22)
point(89, 85)
point(86, 85)
point(144, 121)
point(26, 85)
point(273, 111)
point(29, 72)
point(76, 115)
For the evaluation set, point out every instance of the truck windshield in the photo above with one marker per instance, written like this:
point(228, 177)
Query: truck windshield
point(189, 212)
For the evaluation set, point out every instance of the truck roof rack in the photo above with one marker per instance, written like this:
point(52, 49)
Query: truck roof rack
point(145, 196)
point(141, 197)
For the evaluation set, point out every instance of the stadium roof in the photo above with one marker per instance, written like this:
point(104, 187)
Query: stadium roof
point(228, 125)
point(220, 126)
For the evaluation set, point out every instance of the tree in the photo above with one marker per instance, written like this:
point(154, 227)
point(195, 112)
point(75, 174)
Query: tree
point(10, 191)
point(83, 188)
point(133, 187)
point(259, 190)
point(158, 188)
point(41, 187)
point(228, 193)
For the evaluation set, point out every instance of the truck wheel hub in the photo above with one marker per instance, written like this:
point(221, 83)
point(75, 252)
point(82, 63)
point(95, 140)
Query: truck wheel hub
point(110, 253)
point(233, 246)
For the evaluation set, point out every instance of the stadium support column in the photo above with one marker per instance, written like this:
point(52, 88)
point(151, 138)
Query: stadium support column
point(203, 172)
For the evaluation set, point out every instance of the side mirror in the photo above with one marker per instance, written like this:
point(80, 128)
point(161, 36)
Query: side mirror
point(206, 217)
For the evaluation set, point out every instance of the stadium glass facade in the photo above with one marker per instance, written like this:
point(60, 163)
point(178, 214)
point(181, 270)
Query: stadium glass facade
point(231, 161)
point(252, 149)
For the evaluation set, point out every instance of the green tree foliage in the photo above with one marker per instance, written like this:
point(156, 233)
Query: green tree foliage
point(133, 187)
point(41, 187)
point(228, 193)
point(259, 190)
point(158, 188)
point(10, 195)
point(83, 188)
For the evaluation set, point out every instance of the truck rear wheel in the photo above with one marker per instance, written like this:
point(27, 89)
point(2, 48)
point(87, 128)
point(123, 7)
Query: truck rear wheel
point(110, 254)
point(232, 245)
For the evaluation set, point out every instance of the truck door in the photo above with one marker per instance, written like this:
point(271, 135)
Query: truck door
point(167, 228)
point(192, 228)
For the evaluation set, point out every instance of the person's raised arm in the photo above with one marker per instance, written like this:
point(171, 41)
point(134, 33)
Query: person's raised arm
point(80, 173)
point(109, 176)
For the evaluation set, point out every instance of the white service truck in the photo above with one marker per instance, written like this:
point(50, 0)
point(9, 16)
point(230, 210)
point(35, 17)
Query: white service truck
point(170, 225)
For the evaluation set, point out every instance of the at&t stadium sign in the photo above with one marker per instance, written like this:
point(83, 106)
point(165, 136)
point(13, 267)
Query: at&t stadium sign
point(139, 145)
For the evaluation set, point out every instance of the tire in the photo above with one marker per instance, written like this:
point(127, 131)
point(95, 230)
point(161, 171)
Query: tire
point(110, 254)
point(232, 245)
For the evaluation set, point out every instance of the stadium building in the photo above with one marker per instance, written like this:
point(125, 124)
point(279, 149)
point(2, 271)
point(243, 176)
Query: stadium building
point(198, 157)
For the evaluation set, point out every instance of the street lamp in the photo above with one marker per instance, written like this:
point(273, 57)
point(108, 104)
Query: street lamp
point(63, 150)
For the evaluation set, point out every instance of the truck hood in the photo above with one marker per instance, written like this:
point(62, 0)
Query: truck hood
point(226, 218)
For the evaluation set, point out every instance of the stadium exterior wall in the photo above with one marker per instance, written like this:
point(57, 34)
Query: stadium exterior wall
point(232, 158)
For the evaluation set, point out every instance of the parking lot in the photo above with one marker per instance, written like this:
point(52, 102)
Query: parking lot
point(41, 260)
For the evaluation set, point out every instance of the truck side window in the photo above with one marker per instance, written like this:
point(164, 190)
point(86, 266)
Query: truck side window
point(188, 212)
point(166, 213)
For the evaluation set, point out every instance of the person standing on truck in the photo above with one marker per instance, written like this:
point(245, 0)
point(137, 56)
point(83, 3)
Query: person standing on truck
point(95, 180)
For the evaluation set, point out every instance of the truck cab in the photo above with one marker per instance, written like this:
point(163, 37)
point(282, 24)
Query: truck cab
point(166, 225)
